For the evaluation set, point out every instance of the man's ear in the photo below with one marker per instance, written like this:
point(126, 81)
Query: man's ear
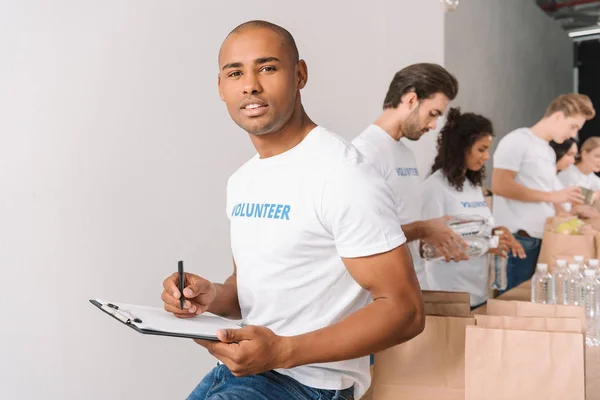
point(558, 116)
point(411, 100)
point(301, 74)
point(219, 86)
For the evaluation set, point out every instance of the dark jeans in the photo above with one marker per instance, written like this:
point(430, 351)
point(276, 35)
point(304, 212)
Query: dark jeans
point(520, 270)
point(220, 384)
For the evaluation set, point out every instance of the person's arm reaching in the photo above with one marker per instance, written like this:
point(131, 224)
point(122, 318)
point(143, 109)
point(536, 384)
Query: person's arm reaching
point(504, 184)
point(437, 233)
point(395, 316)
point(202, 295)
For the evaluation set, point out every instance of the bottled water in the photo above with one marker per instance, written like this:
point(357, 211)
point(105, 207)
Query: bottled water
point(593, 264)
point(560, 277)
point(498, 277)
point(541, 285)
point(573, 294)
point(590, 296)
point(470, 225)
point(478, 246)
point(579, 261)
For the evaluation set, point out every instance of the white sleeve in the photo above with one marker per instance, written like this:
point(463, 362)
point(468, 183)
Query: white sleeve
point(565, 178)
point(510, 152)
point(558, 185)
point(373, 155)
point(595, 182)
point(432, 199)
point(358, 209)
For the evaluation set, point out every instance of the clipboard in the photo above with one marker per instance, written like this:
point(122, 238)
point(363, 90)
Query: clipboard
point(156, 321)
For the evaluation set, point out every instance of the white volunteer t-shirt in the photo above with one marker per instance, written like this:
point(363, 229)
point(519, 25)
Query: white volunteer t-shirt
point(292, 217)
point(439, 199)
point(572, 176)
point(397, 164)
point(534, 161)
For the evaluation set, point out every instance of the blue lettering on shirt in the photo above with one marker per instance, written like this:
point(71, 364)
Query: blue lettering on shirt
point(407, 171)
point(473, 204)
point(263, 210)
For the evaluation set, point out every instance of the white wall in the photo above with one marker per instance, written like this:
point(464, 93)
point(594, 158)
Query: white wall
point(114, 155)
point(510, 58)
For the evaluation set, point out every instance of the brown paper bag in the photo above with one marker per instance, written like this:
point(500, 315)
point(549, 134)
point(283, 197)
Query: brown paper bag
point(430, 366)
point(541, 324)
point(556, 246)
point(453, 309)
point(503, 364)
point(592, 373)
point(436, 296)
point(526, 309)
point(448, 304)
point(595, 222)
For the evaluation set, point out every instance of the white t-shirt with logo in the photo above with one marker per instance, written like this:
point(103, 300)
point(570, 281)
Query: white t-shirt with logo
point(397, 164)
point(439, 199)
point(534, 161)
point(573, 176)
point(292, 217)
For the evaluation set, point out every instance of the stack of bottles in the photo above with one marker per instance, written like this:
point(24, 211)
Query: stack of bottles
point(475, 231)
point(577, 284)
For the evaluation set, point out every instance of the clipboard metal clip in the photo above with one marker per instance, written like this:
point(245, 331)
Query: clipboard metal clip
point(121, 314)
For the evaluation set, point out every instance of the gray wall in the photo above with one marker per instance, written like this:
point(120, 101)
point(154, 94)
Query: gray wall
point(510, 58)
point(114, 155)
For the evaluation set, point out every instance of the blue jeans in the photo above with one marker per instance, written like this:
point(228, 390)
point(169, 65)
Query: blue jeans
point(220, 384)
point(520, 270)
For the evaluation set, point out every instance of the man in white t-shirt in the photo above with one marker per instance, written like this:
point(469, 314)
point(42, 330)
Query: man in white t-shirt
point(524, 178)
point(321, 275)
point(417, 96)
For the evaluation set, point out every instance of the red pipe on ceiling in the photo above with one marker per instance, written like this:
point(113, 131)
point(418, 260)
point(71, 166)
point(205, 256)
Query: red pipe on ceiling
point(555, 6)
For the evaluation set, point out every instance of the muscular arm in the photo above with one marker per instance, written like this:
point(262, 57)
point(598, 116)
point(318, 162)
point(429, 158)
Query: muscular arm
point(504, 184)
point(226, 303)
point(415, 230)
point(395, 315)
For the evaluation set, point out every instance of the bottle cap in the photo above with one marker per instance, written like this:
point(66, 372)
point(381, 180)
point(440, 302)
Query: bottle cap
point(589, 272)
point(573, 267)
point(593, 262)
point(578, 259)
point(561, 263)
point(542, 267)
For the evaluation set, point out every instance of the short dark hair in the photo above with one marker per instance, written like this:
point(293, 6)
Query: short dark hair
point(560, 149)
point(455, 139)
point(424, 79)
point(285, 35)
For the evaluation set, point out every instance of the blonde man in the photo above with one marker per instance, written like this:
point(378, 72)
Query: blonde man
point(524, 178)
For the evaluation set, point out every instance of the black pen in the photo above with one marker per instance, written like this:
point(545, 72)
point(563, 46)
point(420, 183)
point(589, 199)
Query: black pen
point(181, 282)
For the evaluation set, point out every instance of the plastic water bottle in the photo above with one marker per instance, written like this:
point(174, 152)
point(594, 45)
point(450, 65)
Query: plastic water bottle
point(470, 225)
point(478, 246)
point(541, 285)
point(560, 277)
point(575, 277)
point(590, 292)
point(579, 261)
point(498, 277)
point(593, 264)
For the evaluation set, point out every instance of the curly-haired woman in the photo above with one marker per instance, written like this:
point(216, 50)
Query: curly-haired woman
point(454, 187)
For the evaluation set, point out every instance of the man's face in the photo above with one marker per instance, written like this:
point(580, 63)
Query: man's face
point(424, 116)
point(259, 80)
point(566, 127)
